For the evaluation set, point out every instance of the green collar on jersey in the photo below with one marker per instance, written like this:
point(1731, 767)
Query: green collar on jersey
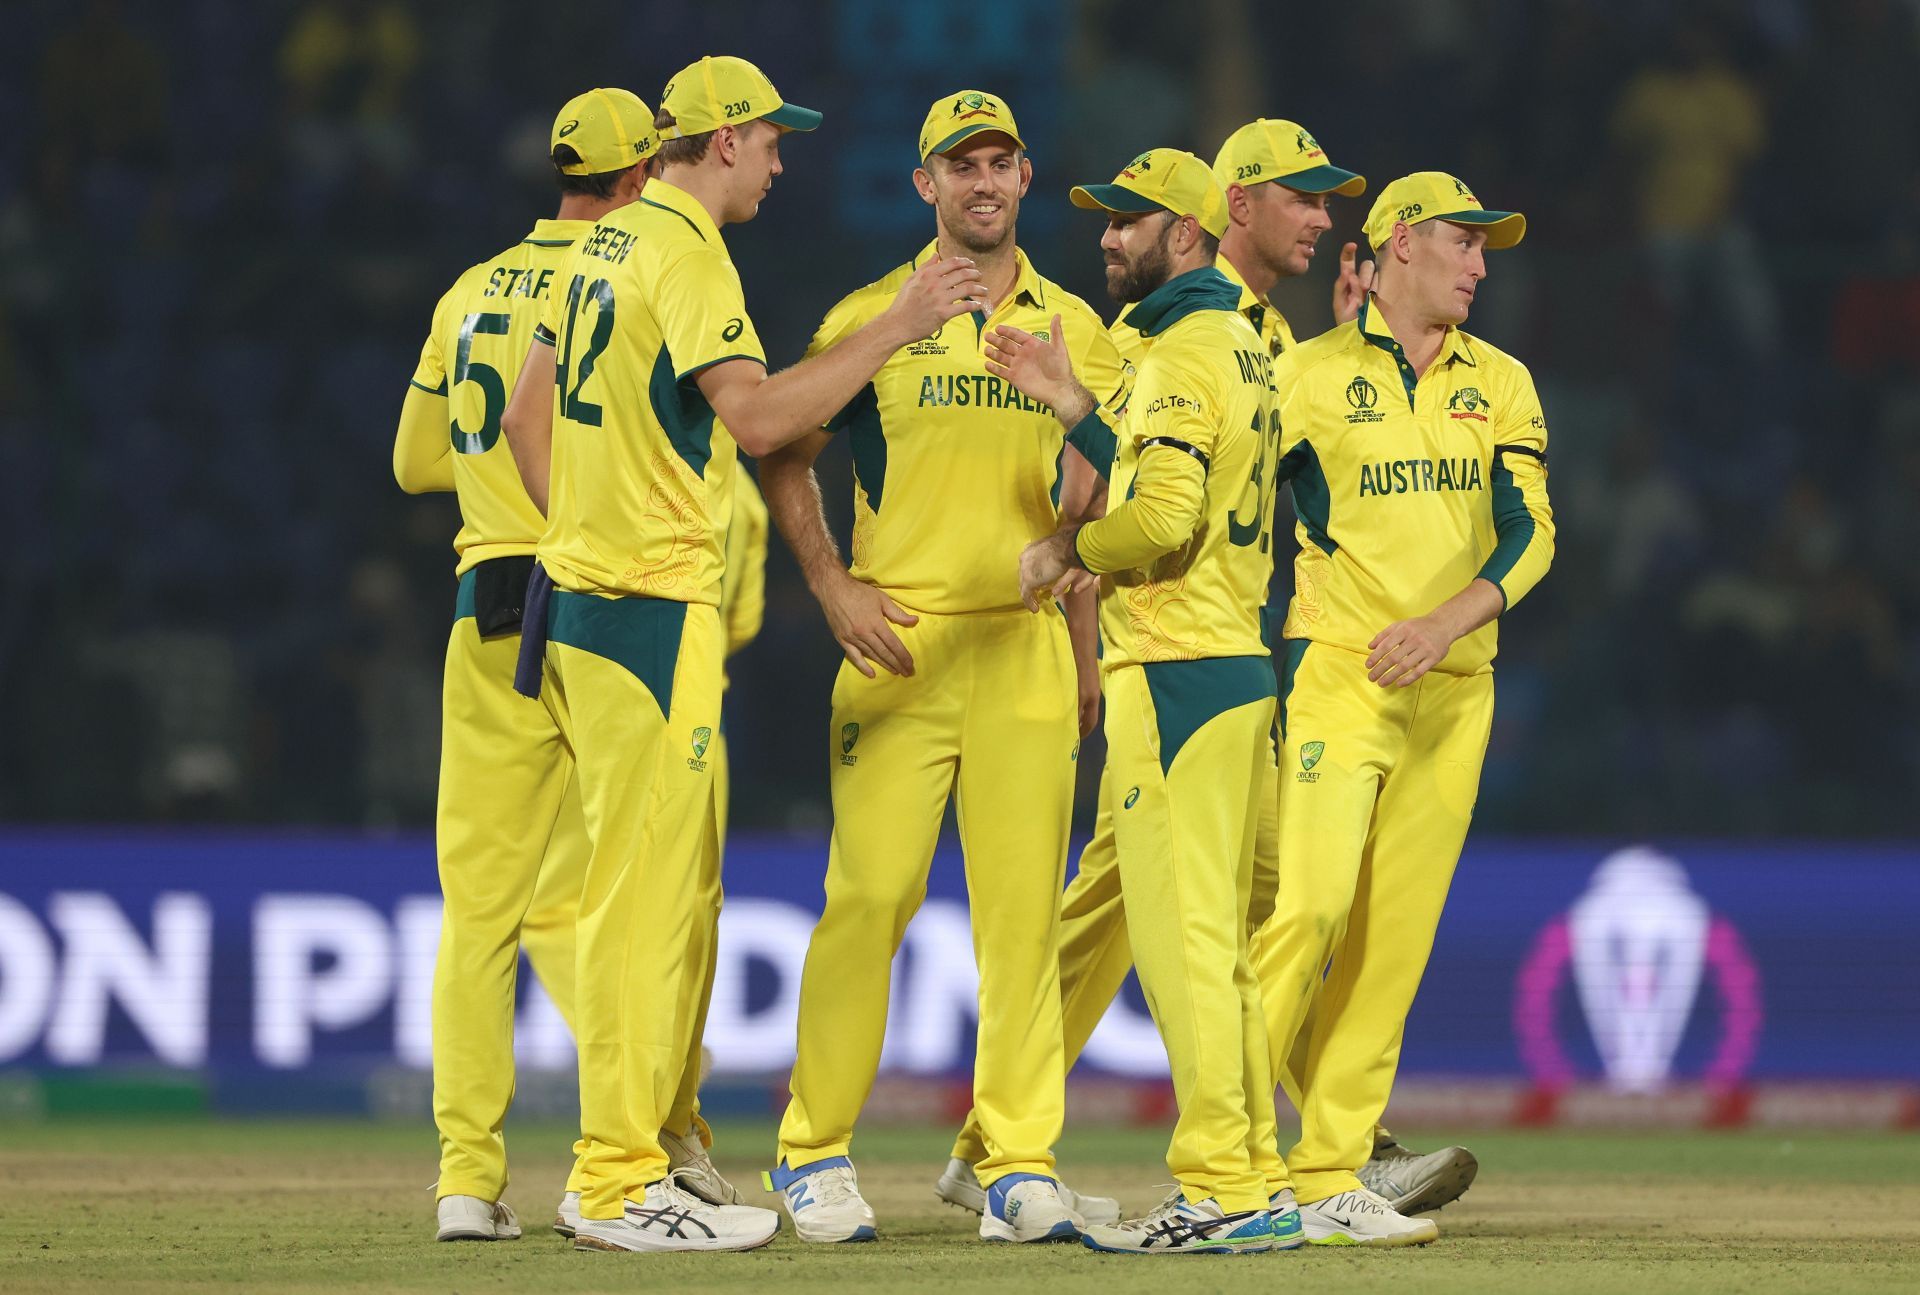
point(1202, 289)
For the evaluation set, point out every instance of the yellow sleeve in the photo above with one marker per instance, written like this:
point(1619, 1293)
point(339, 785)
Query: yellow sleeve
point(1522, 516)
point(1109, 378)
point(746, 602)
point(422, 448)
point(703, 313)
point(848, 316)
point(1173, 419)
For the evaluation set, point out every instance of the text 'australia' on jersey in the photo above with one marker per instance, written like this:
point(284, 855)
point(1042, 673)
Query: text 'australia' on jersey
point(1406, 489)
point(1202, 396)
point(641, 485)
point(956, 471)
point(472, 356)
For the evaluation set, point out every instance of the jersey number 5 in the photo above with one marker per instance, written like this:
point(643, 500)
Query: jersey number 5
point(578, 295)
point(493, 389)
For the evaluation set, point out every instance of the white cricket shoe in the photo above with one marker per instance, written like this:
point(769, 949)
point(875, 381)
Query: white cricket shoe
point(1413, 1183)
point(566, 1219)
point(672, 1218)
point(1027, 1207)
point(692, 1168)
point(824, 1200)
point(959, 1185)
point(1360, 1218)
point(1179, 1227)
point(1288, 1233)
point(468, 1218)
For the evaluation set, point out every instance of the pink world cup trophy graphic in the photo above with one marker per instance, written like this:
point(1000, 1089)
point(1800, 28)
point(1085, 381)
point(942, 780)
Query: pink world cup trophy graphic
point(1638, 943)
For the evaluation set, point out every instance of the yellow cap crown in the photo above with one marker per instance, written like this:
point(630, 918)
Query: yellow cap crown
point(1270, 149)
point(1162, 179)
point(609, 129)
point(1435, 195)
point(726, 91)
point(955, 117)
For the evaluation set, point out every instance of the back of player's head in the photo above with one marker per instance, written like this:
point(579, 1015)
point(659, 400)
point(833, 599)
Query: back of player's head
point(598, 137)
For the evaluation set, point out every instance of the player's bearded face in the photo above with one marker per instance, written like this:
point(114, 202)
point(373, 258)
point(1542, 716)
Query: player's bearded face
point(1139, 254)
point(977, 192)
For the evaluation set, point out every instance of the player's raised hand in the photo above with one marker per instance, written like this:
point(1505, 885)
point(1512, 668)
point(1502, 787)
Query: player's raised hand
point(1037, 367)
point(1351, 288)
point(859, 614)
point(936, 292)
point(1047, 570)
point(1405, 650)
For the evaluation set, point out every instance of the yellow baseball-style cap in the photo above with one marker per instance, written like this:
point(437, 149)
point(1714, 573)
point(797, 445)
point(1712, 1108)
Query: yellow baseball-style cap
point(959, 116)
point(726, 91)
point(1282, 150)
point(1435, 195)
point(610, 130)
point(1165, 179)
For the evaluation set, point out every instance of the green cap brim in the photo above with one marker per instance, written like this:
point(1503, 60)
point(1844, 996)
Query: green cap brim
point(1504, 228)
point(791, 116)
point(1111, 197)
point(967, 132)
point(1325, 179)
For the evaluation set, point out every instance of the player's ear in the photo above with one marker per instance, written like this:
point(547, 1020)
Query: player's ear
point(923, 183)
point(1026, 172)
point(726, 144)
point(1239, 205)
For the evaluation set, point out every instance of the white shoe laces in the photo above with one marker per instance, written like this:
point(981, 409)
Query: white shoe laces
point(836, 1186)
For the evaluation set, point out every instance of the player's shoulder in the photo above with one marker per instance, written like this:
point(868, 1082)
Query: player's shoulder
point(1320, 354)
point(870, 299)
point(1496, 362)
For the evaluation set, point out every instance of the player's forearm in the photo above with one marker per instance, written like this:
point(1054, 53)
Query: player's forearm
point(793, 499)
point(785, 406)
point(1083, 629)
point(1480, 603)
point(422, 452)
point(1163, 514)
point(527, 421)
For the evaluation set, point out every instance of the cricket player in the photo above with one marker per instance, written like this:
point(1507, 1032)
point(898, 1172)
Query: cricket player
point(512, 842)
point(645, 373)
point(1185, 556)
point(1418, 460)
point(974, 698)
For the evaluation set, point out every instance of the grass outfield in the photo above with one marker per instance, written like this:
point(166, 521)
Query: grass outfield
point(331, 1206)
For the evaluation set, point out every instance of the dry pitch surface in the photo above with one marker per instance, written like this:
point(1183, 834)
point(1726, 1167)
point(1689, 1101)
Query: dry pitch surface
point(137, 1206)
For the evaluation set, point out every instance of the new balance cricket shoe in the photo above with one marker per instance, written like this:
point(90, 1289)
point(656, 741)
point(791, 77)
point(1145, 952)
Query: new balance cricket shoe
point(1027, 1207)
point(566, 1219)
point(1180, 1227)
point(468, 1218)
point(692, 1168)
point(1288, 1234)
point(1360, 1218)
point(960, 1186)
point(672, 1218)
point(824, 1200)
point(1413, 1183)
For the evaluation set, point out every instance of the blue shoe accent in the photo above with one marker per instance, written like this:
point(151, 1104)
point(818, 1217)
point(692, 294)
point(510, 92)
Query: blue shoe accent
point(780, 1177)
point(1288, 1232)
point(997, 1194)
point(862, 1233)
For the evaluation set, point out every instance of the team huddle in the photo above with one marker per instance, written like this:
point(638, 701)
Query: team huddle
point(1051, 514)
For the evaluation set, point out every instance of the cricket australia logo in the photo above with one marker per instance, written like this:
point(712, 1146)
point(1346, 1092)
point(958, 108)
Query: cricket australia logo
point(1308, 145)
point(973, 104)
point(849, 735)
point(1467, 403)
point(1363, 396)
point(702, 737)
point(1464, 192)
point(1310, 753)
point(1138, 167)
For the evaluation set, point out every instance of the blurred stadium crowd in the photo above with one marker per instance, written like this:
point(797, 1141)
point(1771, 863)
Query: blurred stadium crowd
point(223, 227)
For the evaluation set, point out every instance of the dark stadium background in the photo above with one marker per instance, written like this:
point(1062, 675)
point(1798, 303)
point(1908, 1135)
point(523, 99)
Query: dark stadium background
point(223, 227)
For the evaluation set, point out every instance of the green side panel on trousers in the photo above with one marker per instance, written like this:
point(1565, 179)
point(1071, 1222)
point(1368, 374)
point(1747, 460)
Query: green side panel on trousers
point(463, 598)
point(1186, 694)
point(1296, 653)
point(640, 634)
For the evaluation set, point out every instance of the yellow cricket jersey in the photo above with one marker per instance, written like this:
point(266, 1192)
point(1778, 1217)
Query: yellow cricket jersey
point(1186, 545)
point(641, 484)
point(472, 356)
point(743, 593)
point(955, 470)
point(1406, 489)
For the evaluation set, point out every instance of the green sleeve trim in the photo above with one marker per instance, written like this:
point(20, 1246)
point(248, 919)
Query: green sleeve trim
point(440, 390)
point(542, 336)
point(1095, 441)
point(1512, 523)
point(760, 360)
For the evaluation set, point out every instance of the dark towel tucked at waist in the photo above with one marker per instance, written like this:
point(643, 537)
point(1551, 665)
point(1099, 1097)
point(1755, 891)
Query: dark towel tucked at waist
point(533, 634)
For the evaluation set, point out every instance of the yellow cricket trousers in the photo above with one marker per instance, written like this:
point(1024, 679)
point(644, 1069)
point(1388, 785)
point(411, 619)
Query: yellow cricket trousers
point(1377, 787)
point(1187, 746)
point(988, 717)
point(684, 1116)
point(513, 851)
point(634, 685)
